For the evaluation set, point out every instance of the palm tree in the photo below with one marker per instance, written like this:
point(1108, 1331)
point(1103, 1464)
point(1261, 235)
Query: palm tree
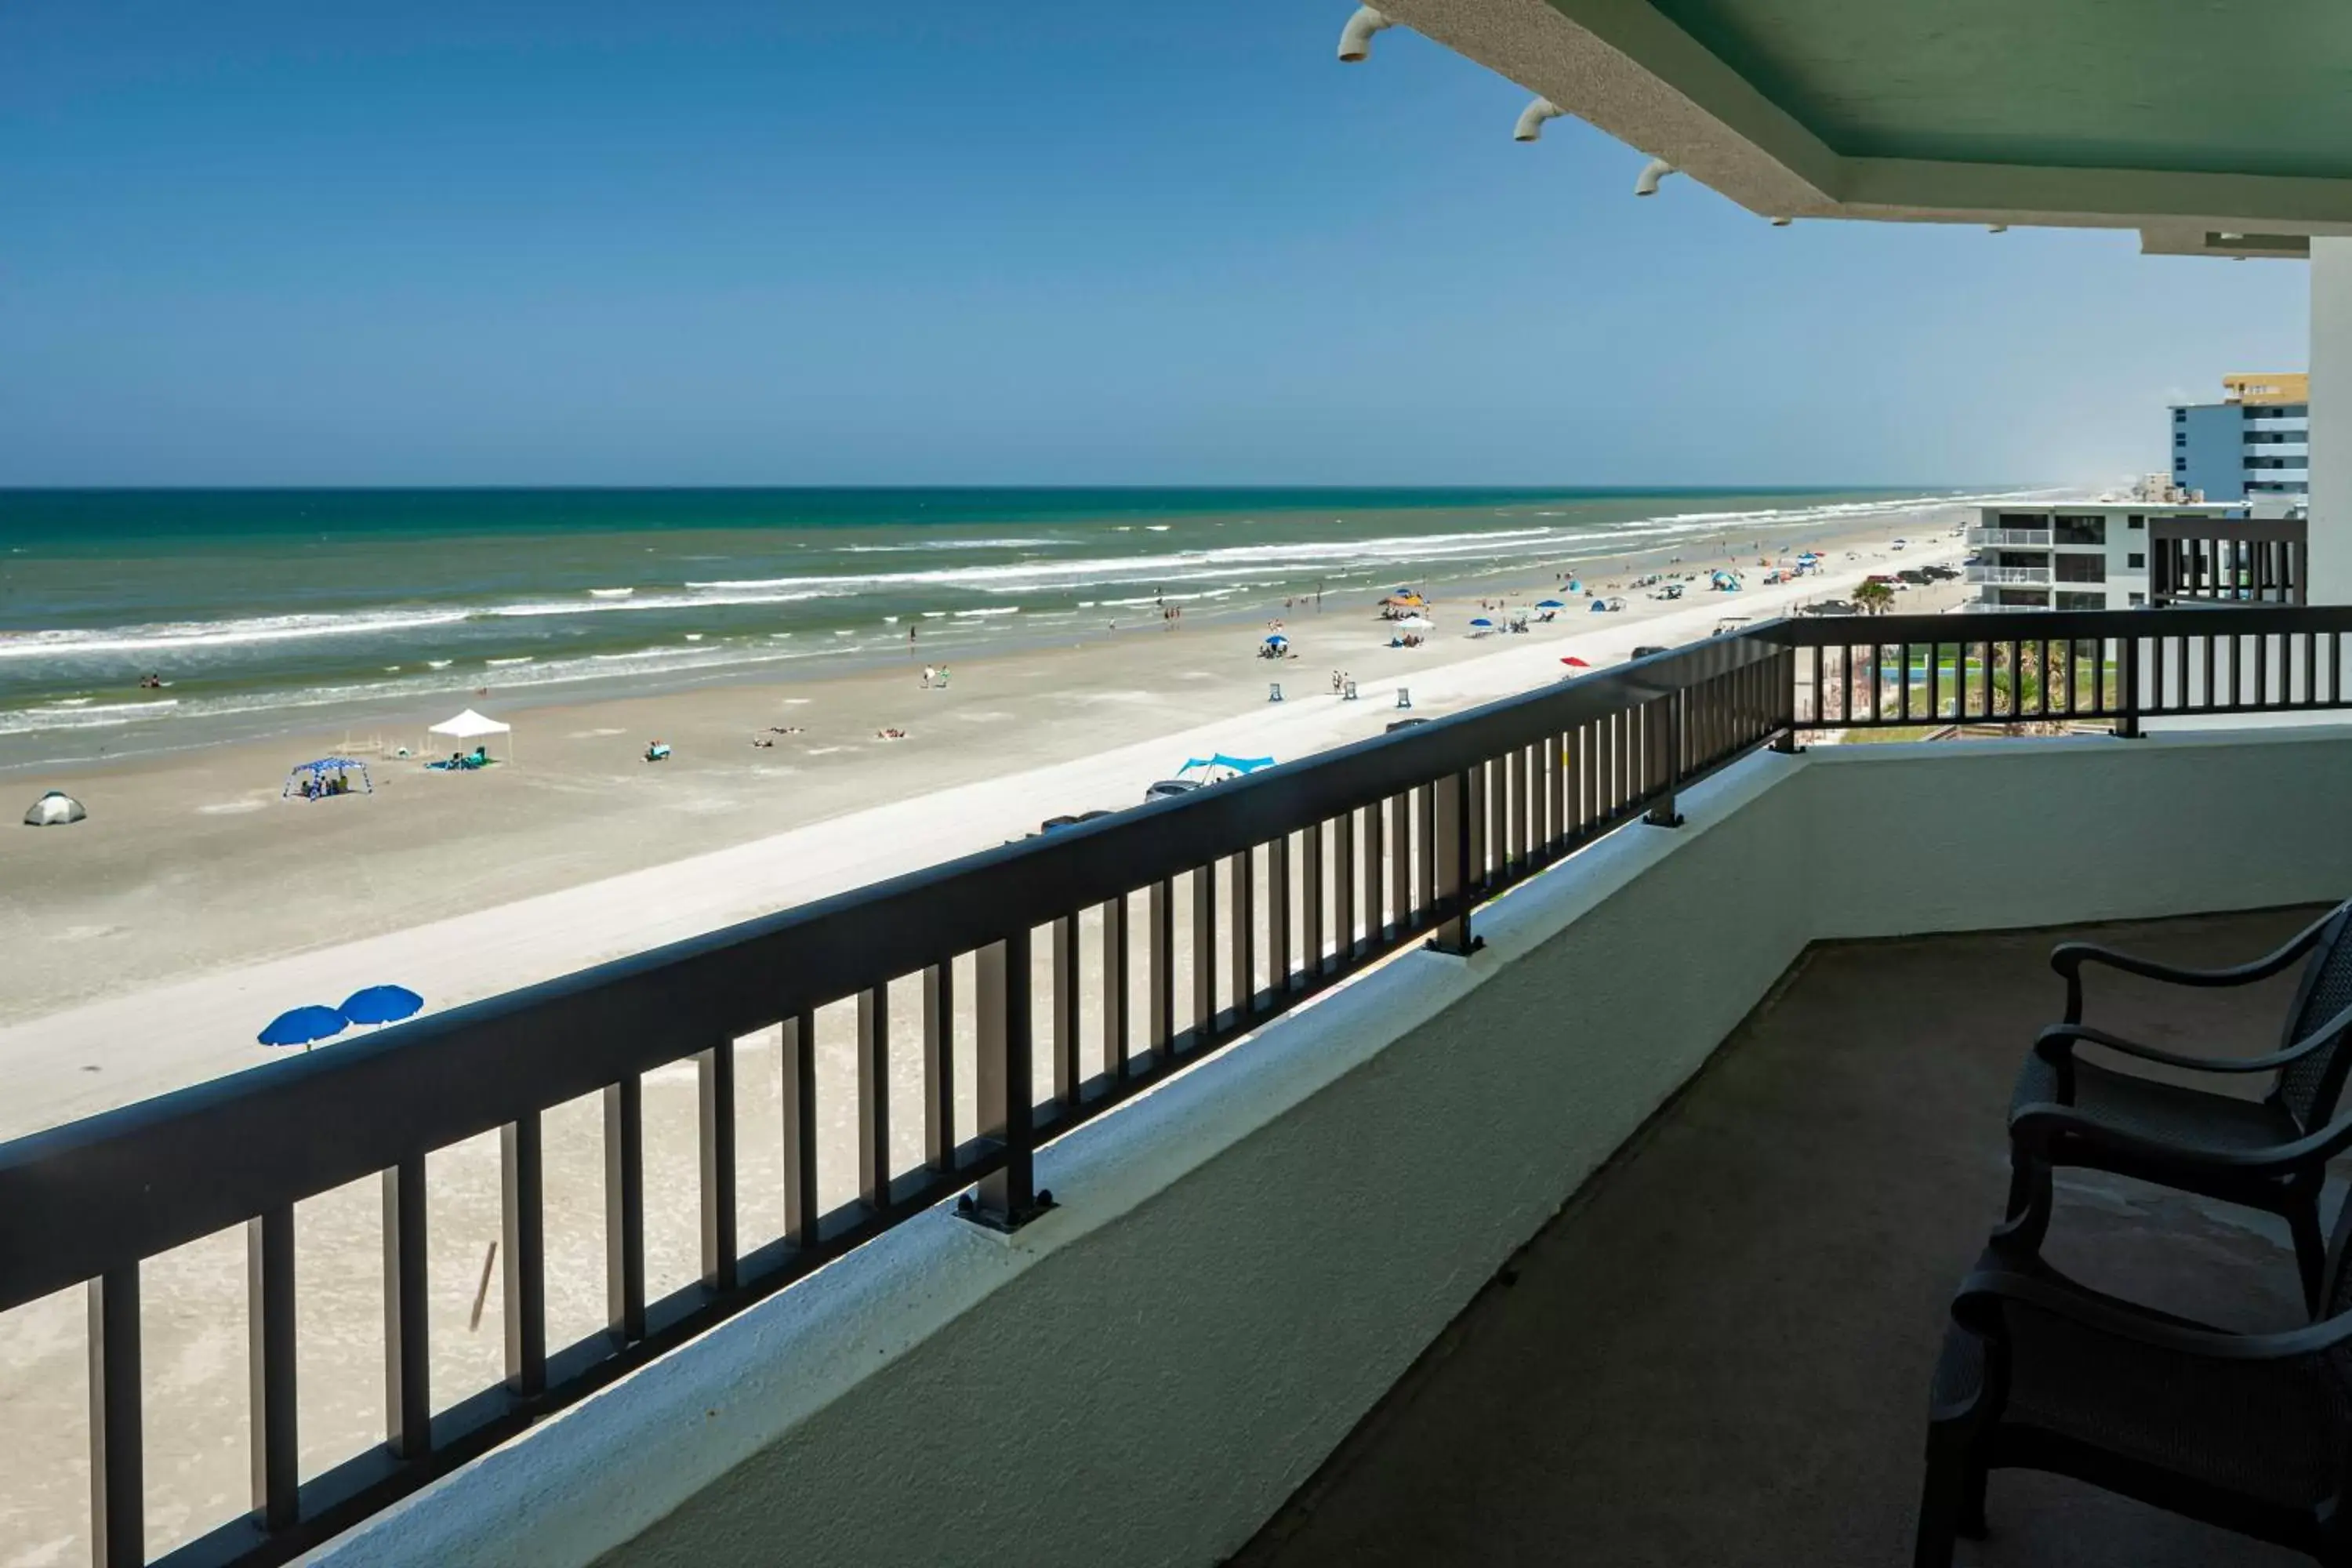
point(1875, 598)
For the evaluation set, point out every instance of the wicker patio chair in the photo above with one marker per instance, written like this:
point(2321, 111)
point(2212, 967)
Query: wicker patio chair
point(2249, 1432)
point(2066, 1111)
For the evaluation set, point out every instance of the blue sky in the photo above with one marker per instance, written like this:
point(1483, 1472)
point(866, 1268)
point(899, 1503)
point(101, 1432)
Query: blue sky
point(927, 243)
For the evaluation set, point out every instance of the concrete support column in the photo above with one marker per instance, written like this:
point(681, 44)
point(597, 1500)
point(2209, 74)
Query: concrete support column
point(2331, 421)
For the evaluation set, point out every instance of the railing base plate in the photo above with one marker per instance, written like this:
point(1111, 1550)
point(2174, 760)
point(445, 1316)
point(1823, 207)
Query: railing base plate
point(968, 1207)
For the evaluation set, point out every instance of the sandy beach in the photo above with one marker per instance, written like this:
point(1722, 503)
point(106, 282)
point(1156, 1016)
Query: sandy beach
point(193, 865)
point(194, 880)
point(195, 895)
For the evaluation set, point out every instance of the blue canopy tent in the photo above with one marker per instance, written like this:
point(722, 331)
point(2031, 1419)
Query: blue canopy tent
point(327, 776)
point(1234, 767)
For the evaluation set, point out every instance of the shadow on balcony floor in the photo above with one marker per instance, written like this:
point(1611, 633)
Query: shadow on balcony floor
point(1720, 1351)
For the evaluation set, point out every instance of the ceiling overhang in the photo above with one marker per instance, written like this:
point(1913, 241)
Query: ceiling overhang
point(1626, 68)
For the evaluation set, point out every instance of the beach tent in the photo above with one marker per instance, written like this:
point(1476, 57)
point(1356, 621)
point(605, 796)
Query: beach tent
point(472, 726)
point(54, 809)
point(310, 780)
point(1550, 605)
point(1218, 766)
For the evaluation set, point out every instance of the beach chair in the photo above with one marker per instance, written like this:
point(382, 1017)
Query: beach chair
point(1274, 691)
point(2260, 1153)
point(2248, 1432)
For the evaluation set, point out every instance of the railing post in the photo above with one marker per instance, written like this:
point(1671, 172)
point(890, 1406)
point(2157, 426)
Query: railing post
point(2128, 678)
point(715, 1115)
point(1159, 972)
point(523, 1227)
point(1452, 803)
point(408, 1342)
point(117, 1528)
point(625, 1209)
point(1114, 988)
point(874, 1096)
point(939, 1063)
point(1663, 815)
point(269, 1365)
point(1008, 1196)
point(798, 1072)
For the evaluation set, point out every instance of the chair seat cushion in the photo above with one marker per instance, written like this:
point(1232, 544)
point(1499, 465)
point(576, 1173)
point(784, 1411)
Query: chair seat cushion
point(2149, 1108)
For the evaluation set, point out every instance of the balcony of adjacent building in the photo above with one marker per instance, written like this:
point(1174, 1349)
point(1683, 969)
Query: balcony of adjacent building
point(1982, 538)
point(2015, 577)
point(1076, 1201)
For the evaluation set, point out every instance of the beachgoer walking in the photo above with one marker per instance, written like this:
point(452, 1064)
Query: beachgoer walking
point(928, 677)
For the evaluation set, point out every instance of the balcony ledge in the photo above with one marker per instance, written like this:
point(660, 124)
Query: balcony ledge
point(1247, 1259)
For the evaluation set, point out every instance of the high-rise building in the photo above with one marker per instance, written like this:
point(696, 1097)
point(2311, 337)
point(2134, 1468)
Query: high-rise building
point(2253, 445)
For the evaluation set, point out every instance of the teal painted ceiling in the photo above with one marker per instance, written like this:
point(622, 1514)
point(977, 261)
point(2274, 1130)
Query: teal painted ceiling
point(2250, 87)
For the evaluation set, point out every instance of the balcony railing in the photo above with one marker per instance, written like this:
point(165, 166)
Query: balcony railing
point(2013, 538)
point(2021, 576)
point(2260, 560)
point(1292, 879)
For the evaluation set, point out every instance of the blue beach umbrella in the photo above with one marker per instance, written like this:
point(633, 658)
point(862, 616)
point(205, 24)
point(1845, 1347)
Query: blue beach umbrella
point(1550, 605)
point(382, 1005)
point(1278, 639)
point(303, 1026)
point(1482, 621)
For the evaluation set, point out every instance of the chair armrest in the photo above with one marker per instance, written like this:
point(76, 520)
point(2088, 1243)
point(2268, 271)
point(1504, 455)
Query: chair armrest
point(1983, 1291)
point(2058, 1042)
point(2069, 957)
point(2033, 1129)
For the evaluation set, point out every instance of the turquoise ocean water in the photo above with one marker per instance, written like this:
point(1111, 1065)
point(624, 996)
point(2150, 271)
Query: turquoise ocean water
point(277, 609)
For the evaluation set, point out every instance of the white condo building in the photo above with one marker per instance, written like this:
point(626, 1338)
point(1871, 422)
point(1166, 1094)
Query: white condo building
point(2081, 555)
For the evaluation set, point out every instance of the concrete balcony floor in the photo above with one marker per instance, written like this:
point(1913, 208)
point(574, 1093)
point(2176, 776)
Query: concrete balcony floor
point(1718, 1353)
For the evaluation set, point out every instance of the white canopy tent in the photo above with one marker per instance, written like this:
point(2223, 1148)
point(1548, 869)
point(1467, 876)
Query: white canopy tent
point(472, 726)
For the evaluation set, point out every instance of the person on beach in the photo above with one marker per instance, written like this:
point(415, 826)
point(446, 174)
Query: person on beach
point(929, 675)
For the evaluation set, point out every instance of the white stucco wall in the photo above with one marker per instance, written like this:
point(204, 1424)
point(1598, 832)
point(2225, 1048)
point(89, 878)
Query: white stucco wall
point(1245, 1260)
point(2331, 421)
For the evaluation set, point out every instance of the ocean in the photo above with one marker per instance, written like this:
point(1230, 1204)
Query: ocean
point(269, 610)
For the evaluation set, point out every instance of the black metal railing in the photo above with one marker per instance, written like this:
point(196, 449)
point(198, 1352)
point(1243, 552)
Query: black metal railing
point(2257, 561)
point(1208, 916)
point(2118, 668)
point(1289, 880)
